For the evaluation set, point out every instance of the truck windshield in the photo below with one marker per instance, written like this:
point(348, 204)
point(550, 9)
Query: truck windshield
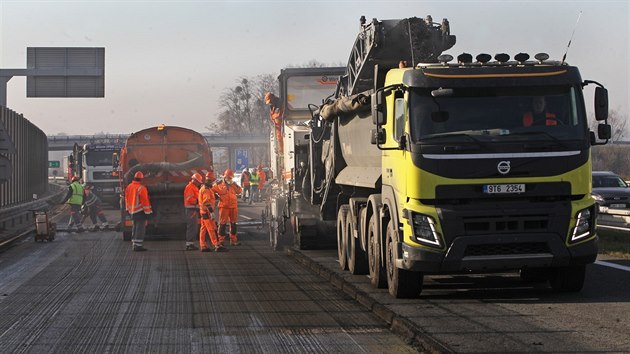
point(497, 114)
point(99, 158)
point(304, 90)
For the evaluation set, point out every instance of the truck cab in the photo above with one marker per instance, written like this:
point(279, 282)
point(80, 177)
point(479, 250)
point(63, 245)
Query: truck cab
point(486, 167)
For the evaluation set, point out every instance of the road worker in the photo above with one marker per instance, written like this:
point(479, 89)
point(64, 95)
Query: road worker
point(254, 179)
point(138, 206)
point(246, 184)
point(262, 179)
point(227, 191)
point(94, 209)
point(539, 114)
point(206, 208)
point(74, 197)
point(275, 114)
point(191, 206)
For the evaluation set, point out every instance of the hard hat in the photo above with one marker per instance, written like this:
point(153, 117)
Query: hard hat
point(197, 177)
point(268, 97)
point(210, 176)
point(74, 178)
point(228, 173)
point(139, 175)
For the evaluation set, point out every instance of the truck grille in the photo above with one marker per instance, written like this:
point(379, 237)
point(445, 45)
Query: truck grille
point(506, 249)
point(505, 224)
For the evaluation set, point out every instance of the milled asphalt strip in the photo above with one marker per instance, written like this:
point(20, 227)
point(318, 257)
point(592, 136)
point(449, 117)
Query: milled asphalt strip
point(613, 265)
point(400, 325)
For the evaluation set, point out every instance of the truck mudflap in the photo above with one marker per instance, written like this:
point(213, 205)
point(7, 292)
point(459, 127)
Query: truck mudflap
point(498, 253)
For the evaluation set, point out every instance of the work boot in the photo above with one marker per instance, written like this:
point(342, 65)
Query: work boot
point(191, 247)
point(206, 249)
point(137, 248)
point(235, 243)
point(220, 248)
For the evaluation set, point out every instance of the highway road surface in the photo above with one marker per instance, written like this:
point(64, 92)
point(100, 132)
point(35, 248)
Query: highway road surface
point(89, 293)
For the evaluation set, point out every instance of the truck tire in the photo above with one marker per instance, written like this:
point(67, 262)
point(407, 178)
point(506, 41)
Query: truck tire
point(568, 279)
point(306, 238)
point(342, 237)
point(377, 273)
point(357, 261)
point(402, 284)
point(126, 235)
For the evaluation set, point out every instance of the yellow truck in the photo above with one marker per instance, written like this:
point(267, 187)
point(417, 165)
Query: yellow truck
point(434, 165)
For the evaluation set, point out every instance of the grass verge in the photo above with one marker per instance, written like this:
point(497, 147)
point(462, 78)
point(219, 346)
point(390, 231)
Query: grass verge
point(614, 243)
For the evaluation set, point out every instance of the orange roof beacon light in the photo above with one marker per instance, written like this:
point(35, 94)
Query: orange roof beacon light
point(161, 127)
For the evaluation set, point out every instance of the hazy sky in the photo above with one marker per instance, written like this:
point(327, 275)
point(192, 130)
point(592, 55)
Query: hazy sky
point(168, 61)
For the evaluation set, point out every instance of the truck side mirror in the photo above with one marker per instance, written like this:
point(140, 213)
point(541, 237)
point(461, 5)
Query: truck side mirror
point(604, 131)
point(601, 103)
point(378, 116)
point(377, 136)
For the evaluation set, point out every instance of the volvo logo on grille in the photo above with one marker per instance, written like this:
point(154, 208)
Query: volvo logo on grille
point(503, 167)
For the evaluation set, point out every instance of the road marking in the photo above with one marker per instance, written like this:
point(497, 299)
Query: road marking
point(246, 217)
point(612, 265)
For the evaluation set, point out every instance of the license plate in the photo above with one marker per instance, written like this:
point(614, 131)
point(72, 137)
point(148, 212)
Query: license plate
point(503, 188)
point(617, 206)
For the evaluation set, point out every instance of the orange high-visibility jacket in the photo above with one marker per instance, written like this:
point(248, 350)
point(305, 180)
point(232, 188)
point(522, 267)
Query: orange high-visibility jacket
point(227, 194)
point(245, 180)
point(263, 178)
point(206, 199)
point(528, 119)
point(137, 198)
point(191, 196)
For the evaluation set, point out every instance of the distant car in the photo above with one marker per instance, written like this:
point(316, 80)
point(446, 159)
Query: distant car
point(610, 190)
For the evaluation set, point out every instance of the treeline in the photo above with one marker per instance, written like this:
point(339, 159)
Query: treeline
point(611, 157)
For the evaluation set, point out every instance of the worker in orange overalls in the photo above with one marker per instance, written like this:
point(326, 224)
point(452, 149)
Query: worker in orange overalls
point(206, 208)
point(262, 178)
point(138, 206)
point(191, 205)
point(275, 114)
point(227, 191)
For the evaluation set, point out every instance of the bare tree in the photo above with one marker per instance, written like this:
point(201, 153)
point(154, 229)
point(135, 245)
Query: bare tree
point(617, 121)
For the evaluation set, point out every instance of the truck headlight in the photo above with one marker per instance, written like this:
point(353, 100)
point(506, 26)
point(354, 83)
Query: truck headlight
point(424, 232)
point(584, 226)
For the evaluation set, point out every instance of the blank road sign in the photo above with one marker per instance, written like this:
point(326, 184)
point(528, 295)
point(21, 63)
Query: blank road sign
point(66, 72)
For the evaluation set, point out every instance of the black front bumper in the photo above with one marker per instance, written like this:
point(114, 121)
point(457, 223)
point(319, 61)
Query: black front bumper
point(490, 253)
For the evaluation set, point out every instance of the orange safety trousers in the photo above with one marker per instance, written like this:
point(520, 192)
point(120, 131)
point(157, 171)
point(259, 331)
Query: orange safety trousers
point(228, 216)
point(208, 228)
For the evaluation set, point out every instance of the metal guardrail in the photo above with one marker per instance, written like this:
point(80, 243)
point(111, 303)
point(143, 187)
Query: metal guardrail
point(613, 219)
point(21, 214)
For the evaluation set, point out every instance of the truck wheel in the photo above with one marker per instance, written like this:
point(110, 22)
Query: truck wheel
point(126, 235)
point(377, 273)
point(402, 284)
point(357, 261)
point(342, 237)
point(568, 279)
point(306, 238)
